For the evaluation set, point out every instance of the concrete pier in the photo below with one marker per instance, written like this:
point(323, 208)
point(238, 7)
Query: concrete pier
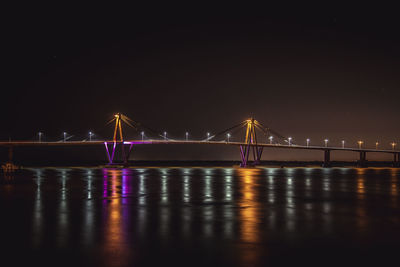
point(327, 158)
point(363, 159)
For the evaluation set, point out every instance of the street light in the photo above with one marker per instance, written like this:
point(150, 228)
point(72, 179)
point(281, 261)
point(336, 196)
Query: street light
point(165, 135)
point(393, 145)
point(270, 139)
point(376, 145)
point(360, 144)
point(343, 143)
point(326, 142)
point(65, 136)
point(40, 136)
point(90, 136)
point(208, 136)
point(228, 135)
point(289, 139)
point(142, 134)
point(187, 136)
point(308, 142)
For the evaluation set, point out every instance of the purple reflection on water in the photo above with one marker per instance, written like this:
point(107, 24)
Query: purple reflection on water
point(126, 185)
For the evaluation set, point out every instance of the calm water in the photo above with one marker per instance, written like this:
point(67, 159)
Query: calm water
point(200, 216)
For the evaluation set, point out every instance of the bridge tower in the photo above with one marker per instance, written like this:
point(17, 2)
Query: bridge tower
point(251, 145)
point(118, 127)
point(125, 148)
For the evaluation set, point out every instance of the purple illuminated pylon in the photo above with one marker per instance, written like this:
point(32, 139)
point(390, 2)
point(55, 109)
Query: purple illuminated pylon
point(110, 157)
point(125, 154)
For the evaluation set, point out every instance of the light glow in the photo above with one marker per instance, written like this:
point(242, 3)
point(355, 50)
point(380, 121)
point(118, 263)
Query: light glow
point(360, 144)
point(270, 139)
point(393, 145)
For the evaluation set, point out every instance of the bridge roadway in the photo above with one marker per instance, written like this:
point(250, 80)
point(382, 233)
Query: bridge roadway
point(189, 142)
point(250, 144)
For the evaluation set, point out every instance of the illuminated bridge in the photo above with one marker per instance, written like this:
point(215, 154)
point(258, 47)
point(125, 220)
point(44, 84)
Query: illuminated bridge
point(250, 148)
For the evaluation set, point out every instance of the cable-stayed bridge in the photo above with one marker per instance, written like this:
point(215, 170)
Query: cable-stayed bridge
point(250, 147)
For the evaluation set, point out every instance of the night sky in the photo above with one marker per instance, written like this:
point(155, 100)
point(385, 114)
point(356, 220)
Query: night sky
point(306, 72)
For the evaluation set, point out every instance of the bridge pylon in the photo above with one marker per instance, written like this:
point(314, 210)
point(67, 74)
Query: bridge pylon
point(125, 148)
point(251, 145)
point(118, 127)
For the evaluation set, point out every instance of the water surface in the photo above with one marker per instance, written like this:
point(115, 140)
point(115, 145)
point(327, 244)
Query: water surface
point(200, 216)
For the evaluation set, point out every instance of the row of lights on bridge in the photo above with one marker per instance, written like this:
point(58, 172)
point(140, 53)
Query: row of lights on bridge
point(360, 143)
point(228, 135)
point(40, 134)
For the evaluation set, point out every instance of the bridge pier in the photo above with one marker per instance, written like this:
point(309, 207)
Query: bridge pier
point(126, 154)
point(245, 152)
point(244, 156)
point(363, 159)
point(396, 160)
point(327, 158)
point(259, 152)
point(110, 156)
point(111, 153)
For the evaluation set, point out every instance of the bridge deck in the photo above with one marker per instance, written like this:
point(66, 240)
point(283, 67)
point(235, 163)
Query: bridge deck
point(189, 142)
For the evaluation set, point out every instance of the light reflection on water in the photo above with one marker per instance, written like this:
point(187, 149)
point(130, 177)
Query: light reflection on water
point(114, 214)
point(117, 212)
point(37, 222)
point(62, 233)
point(249, 205)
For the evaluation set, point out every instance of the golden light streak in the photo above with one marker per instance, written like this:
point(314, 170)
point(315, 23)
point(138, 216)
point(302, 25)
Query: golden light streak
point(249, 206)
point(114, 238)
point(249, 214)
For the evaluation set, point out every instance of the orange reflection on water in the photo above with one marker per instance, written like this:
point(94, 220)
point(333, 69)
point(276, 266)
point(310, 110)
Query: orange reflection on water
point(360, 208)
point(249, 217)
point(394, 190)
point(361, 183)
point(249, 214)
point(393, 180)
point(114, 234)
point(114, 241)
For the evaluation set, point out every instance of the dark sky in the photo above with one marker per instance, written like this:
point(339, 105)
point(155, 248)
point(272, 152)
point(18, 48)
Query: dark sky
point(318, 71)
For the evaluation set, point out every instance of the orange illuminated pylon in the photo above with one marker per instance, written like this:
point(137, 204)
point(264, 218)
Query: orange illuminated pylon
point(118, 125)
point(251, 131)
point(251, 143)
